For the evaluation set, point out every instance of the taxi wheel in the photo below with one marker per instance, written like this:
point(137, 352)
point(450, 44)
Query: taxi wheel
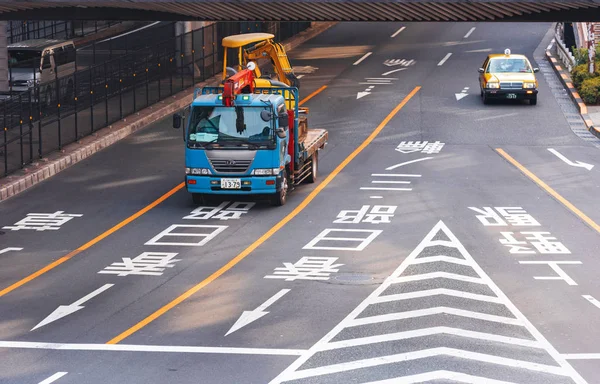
point(533, 101)
point(485, 99)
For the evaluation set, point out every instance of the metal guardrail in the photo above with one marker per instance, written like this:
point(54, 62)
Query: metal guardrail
point(51, 115)
point(564, 54)
point(26, 30)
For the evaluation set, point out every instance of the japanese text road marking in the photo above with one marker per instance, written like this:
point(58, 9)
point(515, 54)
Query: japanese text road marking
point(269, 233)
point(112, 230)
point(550, 191)
point(149, 348)
point(425, 317)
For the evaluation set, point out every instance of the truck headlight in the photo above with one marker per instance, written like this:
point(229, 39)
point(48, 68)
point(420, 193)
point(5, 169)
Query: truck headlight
point(492, 85)
point(265, 171)
point(198, 171)
point(528, 85)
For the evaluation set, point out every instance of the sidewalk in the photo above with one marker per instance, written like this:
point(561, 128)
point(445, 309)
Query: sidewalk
point(87, 146)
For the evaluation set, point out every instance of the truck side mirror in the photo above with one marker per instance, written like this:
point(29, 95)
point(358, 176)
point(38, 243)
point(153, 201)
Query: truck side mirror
point(283, 121)
point(281, 133)
point(177, 121)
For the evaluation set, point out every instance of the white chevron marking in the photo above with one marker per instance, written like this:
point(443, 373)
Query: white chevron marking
point(437, 275)
point(423, 354)
point(429, 312)
point(430, 332)
point(436, 292)
point(433, 259)
point(441, 375)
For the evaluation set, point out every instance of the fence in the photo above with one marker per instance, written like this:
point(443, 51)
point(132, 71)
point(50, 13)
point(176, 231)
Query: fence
point(52, 114)
point(27, 30)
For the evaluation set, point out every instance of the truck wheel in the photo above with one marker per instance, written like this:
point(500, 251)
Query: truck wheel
point(280, 197)
point(198, 198)
point(314, 169)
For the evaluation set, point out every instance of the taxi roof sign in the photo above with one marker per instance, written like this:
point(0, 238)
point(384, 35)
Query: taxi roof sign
point(507, 51)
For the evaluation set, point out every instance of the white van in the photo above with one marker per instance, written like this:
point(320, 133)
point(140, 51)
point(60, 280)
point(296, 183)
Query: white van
point(40, 62)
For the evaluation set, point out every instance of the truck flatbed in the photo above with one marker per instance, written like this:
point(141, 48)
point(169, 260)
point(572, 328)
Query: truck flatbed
point(315, 138)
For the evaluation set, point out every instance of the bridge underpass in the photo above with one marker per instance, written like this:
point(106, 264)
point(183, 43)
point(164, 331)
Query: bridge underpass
point(302, 10)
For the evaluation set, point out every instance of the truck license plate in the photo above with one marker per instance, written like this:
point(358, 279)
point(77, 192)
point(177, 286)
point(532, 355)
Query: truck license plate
point(511, 96)
point(231, 183)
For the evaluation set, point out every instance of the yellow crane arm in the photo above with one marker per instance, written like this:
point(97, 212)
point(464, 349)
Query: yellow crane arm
point(279, 59)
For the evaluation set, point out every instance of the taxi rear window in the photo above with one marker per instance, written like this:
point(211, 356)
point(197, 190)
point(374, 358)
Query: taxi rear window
point(508, 65)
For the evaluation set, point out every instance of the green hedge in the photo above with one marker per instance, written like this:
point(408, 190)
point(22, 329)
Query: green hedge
point(590, 90)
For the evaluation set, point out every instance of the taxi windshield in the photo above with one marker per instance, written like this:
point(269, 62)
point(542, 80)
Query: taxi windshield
point(509, 66)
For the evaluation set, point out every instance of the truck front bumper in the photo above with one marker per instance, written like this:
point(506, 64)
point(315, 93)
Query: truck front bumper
point(249, 185)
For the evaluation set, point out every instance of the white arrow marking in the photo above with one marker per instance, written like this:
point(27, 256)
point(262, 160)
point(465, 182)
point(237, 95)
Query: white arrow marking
point(362, 94)
point(395, 70)
point(248, 317)
point(460, 96)
point(406, 163)
point(5, 250)
point(592, 300)
point(573, 164)
point(53, 378)
point(65, 310)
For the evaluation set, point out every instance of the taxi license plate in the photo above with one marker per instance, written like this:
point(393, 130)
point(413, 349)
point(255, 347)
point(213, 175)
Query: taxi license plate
point(231, 183)
point(511, 96)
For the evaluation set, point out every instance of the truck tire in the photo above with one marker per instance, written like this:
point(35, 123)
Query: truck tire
point(280, 197)
point(314, 169)
point(198, 198)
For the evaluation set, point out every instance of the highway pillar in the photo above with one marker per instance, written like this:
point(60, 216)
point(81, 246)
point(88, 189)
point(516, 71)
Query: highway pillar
point(3, 57)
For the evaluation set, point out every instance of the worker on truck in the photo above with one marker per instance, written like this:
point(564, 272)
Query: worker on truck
point(243, 140)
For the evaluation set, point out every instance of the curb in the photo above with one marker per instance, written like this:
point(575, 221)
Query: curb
point(73, 153)
point(565, 78)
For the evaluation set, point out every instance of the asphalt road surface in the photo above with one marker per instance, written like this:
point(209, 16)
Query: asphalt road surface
point(446, 241)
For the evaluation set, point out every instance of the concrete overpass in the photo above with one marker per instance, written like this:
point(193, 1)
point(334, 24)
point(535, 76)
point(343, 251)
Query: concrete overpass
point(302, 10)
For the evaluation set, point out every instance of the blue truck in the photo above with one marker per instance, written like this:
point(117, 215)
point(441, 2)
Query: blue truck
point(244, 140)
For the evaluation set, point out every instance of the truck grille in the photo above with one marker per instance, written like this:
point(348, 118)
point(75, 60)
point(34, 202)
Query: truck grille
point(230, 166)
point(511, 85)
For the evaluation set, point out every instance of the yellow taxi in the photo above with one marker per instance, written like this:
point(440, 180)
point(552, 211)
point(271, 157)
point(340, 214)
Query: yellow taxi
point(508, 77)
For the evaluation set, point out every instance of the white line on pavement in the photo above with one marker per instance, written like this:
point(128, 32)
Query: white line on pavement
point(149, 348)
point(385, 189)
point(469, 33)
point(53, 378)
point(362, 58)
point(395, 175)
point(444, 59)
point(376, 197)
point(398, 32)
point(581, 356)
point(299, 76)
point(592, 300)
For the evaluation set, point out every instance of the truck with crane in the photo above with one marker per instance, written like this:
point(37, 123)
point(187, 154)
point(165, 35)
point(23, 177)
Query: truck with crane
point(242, 139)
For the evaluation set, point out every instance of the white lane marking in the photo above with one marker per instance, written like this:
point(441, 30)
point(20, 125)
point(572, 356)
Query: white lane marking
point(438, 275)
point(444, 59)
point(299, 76)
point(460, 96)
point(480, 50)
point(423, 354)
point(248, 317)
point(407, 162)
point(437, 292)
point(53, 378)
point(496, 117)
point(395, 175)
point(385, 189)
point(66, 310)
point(429, 312)
point(362, 58)
point(5, 250)
point(395, 70)
point(376, 197)
point(592, 300)
point(435, 259)
point(569, 162)
point(581, 356)
point(398, 32)
point(389, 182)
point(388, 79)
point(149, 348)
point(469, 33)
point(396, 336)
point(130, 32)
point(440, 375)
point(352, 319)
point(360, 95)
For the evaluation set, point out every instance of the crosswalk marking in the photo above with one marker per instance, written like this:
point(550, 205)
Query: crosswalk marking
point(377, 339)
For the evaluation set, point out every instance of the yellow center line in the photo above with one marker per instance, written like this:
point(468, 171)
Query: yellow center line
point(269, 233)
point(315, 93)
point(90, 243)
point(112, 230)
point(551, 191)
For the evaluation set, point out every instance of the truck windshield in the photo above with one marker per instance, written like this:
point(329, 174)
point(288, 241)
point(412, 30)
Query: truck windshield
point(218, 125)
point(24, 58)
